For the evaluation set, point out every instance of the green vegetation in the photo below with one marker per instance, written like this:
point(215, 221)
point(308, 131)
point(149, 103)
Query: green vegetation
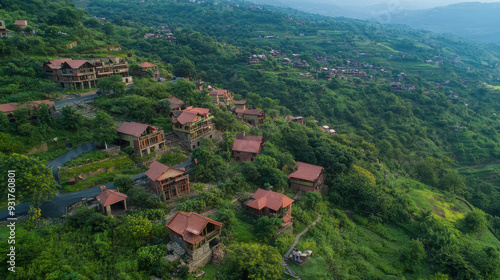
point(412, 189)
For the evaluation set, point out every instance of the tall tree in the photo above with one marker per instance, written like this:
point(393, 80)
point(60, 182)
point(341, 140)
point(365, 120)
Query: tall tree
point(103, 129)
point(33, 180)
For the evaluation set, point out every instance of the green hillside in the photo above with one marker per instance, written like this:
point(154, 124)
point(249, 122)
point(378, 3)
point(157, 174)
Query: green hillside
point(412, 188)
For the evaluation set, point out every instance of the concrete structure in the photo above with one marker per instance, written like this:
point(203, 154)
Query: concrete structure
point(193, 124)
point(144, 138)
point(247, 147)
point(111, 201)
point(307, 177)
point(196, 234)
point(79, 74)
point(167, 181)
point(271, 204)
point(221, 97)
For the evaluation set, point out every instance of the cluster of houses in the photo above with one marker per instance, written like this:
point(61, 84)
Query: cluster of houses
point(163, 32)
point(80, 73)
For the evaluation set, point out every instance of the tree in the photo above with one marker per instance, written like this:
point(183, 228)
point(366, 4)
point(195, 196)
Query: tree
point(123, 182)
point(474, 222)
point(184, 68)
point(412, 256)
point(33, 180)
point(4, 122)
point(252, 261)
point(112, 84)
point(135, 230)
point(71, 119)
point(103, 129)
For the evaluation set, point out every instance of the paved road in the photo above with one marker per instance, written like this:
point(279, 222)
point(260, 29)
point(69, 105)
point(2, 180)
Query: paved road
point(22, 209)
point(59, 161)
point(60, 104)
point(57, 206)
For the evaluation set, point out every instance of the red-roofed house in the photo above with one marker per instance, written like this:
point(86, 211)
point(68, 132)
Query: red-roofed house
point(144, 138)
point(254, 116)
point(145, 66)
point(21, 23)
point(247, 147)
point(269, 203)
point(176, 103)
point(32, 106)
point(111, 200)
point(193, 124)
point(167, 181)
point(307, 177)
point(221, 97)
point(196, 234)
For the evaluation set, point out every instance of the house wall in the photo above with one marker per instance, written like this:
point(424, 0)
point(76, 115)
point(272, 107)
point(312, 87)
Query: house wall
point(244, 156)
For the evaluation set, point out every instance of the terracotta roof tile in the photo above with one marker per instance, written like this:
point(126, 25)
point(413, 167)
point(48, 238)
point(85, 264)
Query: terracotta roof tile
point(190, 114)
point(8, 107)
point(75, 64)
point(110, 197)
point(239, 111)
point(254, 112)
point(190, 225)
point(248, 144)
point(147, 65)
point(132, 128)
point(306, 171)
point(56, 63)
point(218, 92)
point(240, 102)
point(156, 169)
point(269, 199)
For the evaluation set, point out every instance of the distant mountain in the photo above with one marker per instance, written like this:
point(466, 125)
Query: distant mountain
point(476, 21)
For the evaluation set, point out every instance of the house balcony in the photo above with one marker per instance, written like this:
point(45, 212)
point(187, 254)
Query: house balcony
point(211, 235)
point(121, 70)
point(151, 135)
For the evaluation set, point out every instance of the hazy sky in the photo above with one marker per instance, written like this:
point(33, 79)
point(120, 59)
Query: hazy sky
point(402, 4)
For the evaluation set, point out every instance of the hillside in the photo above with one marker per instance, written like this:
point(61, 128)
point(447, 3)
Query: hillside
point(410, 187)
point(474, 21)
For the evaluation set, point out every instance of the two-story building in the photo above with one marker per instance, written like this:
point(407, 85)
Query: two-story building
point(240, 104)
point(252, 116)
point(193, 124)
point(307, 177)
point(221, 97)
point(144, 138)
point(196, 234)
point(247, 147)
point(271, 204)
point(166, 181)
point(146, 66)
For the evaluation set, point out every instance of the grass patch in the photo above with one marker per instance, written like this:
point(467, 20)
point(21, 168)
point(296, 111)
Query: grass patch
point(173, 157)
point(51, 155)
point(243, 229)
point(210, 272)
point(445, 208)
point(97, 173)
point(4, 232)
point(315, 268)
point(85, 158)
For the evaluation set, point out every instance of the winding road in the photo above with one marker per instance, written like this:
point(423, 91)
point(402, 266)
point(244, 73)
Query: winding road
point(57, 206)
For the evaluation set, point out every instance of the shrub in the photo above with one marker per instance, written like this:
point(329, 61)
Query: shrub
point(123, 182)
point(138, 196)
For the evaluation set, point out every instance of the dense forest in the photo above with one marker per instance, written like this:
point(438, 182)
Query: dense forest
point(412, 174)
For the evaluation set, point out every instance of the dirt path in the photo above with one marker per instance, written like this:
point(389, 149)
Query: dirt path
point(295, 242)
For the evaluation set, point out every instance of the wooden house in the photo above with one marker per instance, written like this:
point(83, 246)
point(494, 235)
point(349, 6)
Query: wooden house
point(144, 138)
point(146, 66)
point(167, 181)
point(221, 97)
point(271, 204)
point(247, 147)
point(196, 234)
point(307, 177)
point(193, 124)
